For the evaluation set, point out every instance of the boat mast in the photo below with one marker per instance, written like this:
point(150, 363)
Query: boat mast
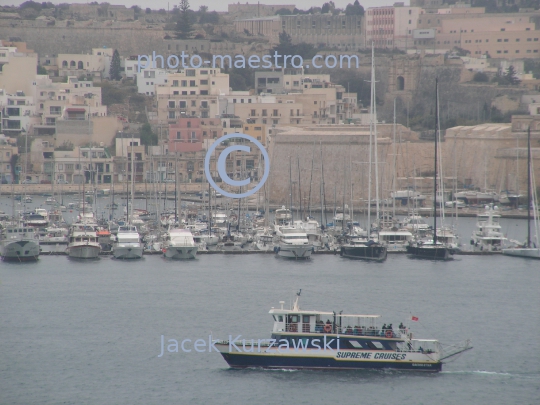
point(394, 174)
point(370, 140)
point(290, 190)
point(132, 178)
point(435, 174)
point(311, 179)
point(529, 187)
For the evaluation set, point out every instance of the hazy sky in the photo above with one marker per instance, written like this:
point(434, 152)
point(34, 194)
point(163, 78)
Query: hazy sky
point(218, 5)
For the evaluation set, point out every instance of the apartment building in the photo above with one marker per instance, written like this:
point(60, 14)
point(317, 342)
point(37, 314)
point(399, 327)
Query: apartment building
point(257, 131)
point(16, 113)
point(95, 64)
point(7, 152)
point(193, 134)
point(17, 70)
point(149, 78)
point(391, 27)
point(191, 93)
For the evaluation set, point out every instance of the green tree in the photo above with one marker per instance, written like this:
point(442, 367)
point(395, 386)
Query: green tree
point(480, 77)
point(147, 136)
point(511, 77)
point(114, 71)
point(354, 9)
point(286, 47)
point(184, 26)
point(41, 70)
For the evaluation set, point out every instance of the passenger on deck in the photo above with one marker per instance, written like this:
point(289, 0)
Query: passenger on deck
point(401, 326)
point(349, 330)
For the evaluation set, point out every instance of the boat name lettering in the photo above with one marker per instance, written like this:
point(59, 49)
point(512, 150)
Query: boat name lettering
point(353, 355)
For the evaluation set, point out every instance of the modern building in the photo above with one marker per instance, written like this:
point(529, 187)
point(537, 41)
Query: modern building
point(17, 70)
point(95, 64)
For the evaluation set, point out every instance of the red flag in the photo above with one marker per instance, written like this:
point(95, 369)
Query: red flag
point(415, 318)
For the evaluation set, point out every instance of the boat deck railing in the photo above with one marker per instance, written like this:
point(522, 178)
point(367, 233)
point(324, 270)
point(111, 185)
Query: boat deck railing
point(349, 330)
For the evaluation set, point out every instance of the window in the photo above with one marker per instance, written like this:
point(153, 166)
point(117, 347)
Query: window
point(275, 113)
point(178, 135)
point(517, 39)
point(204, 82)
point(190, 72)
point(499, 40)
point(175, 83)
point(55, 110)
point(182, 104)
point(192, 83)
point(252, 114)
point(264, 113)
point(184, 83)
point(171, 115)
point(194, 103)
point(171, 104)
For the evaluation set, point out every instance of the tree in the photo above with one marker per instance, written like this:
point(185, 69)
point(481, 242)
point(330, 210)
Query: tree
point(480, 77)
point(328, 7)
point(41, 70)
point(354, 9)
point(286, 47)
point(285, 11)
point(511, 77)
point(114, 71)
point(147, 136)
point(184, 26)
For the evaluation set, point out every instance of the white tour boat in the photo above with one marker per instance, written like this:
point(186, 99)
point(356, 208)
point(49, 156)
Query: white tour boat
point(19, 244)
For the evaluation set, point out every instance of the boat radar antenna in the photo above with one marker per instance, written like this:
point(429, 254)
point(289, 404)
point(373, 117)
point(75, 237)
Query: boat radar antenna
point(295, 306)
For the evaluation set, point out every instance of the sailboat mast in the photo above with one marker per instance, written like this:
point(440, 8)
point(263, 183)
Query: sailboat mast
point(290, 190)
point(370, 140)
point(132, 177)
point(529, 187)
point(394, 174)
point(435, 174)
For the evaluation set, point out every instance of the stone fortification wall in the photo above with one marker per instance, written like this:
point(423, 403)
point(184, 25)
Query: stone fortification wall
point(480, 161)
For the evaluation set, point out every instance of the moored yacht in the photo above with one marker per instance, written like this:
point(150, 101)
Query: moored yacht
point(293, 243)
point(308, 339)
point(19, 244)
point(179, 244)
point(282, 217)
point(128, 243)
point(83, 239)
point(395, 239)
point(359, 247)
point(488, 236)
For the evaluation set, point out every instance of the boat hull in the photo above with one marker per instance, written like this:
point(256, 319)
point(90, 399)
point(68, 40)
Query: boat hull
point(523, 252)
point(374, 253)
point(20, 251)
point(432, 253)
point(181, 252)
point(84, 252)
point(321, 362)
point(128, 252)
point(295, 252)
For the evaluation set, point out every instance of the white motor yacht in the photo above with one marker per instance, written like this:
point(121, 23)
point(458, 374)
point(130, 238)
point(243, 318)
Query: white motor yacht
point(488, 236)
point(179, 244)
point(128, 243)
point(19, 244)
point(293, 244)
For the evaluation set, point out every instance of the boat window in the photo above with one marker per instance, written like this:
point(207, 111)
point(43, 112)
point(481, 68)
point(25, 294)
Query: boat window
point(305, 319)
point(294, 318)
point(280, 318)
point(355, 344)
point(378, 345)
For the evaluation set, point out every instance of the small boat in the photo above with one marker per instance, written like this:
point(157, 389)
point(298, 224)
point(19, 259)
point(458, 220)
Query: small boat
point(328, 340)
point(27, 199)
point(38, 218)
point(179, 244)
point(19, 244)
point(50, 201)
point(282, 217)
point(54, 240)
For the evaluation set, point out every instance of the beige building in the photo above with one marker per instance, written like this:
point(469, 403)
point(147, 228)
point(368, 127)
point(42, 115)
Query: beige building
point(392, 26)
point(17, 70)
point(191, 93)
point(95, 64)
point(6, 169)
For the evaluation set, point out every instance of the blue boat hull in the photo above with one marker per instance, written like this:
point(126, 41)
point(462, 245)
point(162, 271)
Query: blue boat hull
point(320, 363)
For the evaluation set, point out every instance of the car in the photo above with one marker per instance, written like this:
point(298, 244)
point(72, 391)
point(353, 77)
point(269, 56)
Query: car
point(27, 181)
point(168, 181)
point(61, 181)
point(45, 182)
